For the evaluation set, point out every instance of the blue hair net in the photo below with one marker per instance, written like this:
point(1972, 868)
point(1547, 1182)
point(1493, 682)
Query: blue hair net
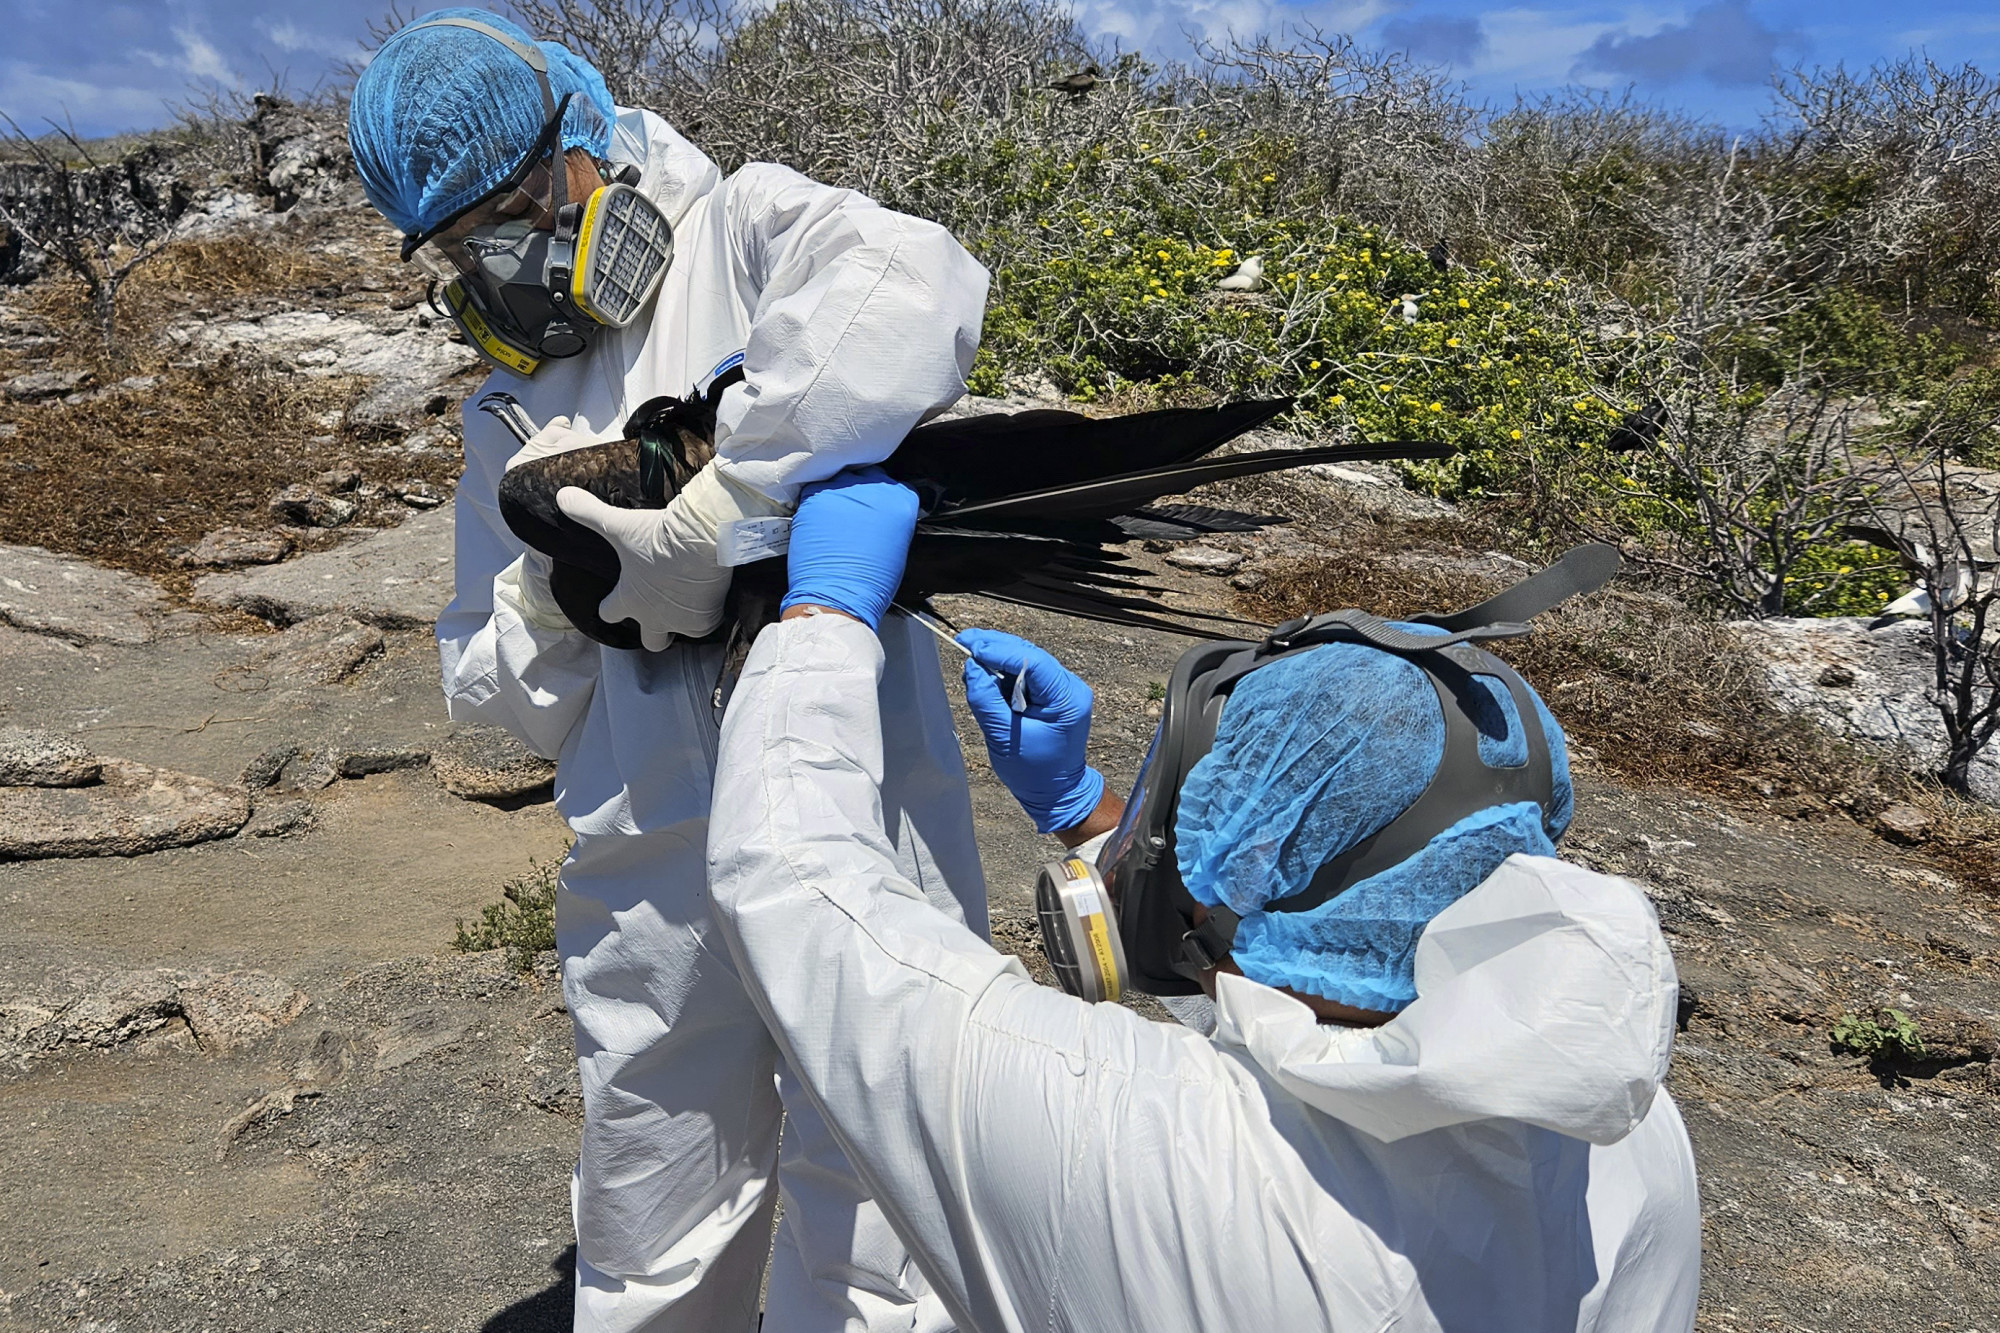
point(1314, 753)
point(442, 115)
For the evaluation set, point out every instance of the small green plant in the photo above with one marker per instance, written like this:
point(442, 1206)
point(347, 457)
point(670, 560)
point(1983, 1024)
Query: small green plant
point(1156, 691)
point(524, 924)
point(1887, 1034)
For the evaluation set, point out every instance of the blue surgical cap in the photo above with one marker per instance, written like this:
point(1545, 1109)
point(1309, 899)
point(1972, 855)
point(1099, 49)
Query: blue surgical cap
point(442, 115)
point(1315, 752)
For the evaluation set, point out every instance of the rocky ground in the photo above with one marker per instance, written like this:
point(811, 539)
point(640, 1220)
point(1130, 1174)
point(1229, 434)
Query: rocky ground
point(249, 1084)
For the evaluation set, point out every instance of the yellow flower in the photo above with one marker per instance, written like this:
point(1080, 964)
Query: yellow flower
point(1338, 399)
point(1313, 366)
point(1147, 297)
point(1437, 407)
point(1340, 277)
point(1109, 232)
point(1162, 254)
point(1506, 305)
point(1224, 253)
point(1144, 146)
point(1485, 364)
point(1464, 304)
point(1367, 255)
point(1517, 435)
point(1451, 342)
point(1268, 178)
point(1386, 388)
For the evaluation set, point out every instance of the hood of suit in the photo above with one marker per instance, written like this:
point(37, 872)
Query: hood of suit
point(673, 173)
point(1546, 995)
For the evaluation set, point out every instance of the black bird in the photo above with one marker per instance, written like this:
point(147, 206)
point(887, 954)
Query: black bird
point(1078, 86)
point(1638, 430)
point(1439, 254)
point(1020, 507)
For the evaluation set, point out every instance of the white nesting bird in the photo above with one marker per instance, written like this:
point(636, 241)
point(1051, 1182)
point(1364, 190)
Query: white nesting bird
point(1248, 277)
point(1410, 311)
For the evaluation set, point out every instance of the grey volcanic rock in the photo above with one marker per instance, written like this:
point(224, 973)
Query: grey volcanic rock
point(488, 764)
point(230, 548)
point(1205, 559)
point(71, 599)
point(280, 821)
point(320, 650)
point(408, 357)
point(310, 508)
point(40, 384)
point(1868, 682)
point(134, 809)
point(225, 1011)
point(399, 578)
point(231, 1010)
point(44, 759)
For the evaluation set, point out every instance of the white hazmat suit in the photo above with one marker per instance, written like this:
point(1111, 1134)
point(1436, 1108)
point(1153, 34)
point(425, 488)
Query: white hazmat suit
point(1500, 1157)
point(856, 323)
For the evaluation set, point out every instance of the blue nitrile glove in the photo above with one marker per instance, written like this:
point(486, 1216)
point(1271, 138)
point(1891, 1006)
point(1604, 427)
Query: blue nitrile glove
point(850, 539)
point(1038, 753)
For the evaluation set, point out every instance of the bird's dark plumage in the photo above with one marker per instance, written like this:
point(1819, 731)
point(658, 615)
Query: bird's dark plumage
point(1439, 254)
point(1078, 85)
point(1021, 507)
point(1638, 430)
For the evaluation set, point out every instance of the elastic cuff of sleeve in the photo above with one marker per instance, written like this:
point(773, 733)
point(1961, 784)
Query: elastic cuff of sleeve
point(1074, 808)
point(798, 595)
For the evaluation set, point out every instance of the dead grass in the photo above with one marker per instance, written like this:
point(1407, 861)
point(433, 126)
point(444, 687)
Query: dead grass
point(187, 276)
point(130, 478)
point(1648, 692)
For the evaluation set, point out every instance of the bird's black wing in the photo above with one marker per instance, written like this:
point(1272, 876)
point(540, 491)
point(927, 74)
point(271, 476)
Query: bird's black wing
point(965, 460)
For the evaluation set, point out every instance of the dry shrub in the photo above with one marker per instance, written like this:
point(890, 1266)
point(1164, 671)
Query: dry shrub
point(208, 275)
point(1648, 692)
point(130, 478)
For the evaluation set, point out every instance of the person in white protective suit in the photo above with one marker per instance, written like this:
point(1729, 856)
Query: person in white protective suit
point(850, 325)
point(1431, 1100)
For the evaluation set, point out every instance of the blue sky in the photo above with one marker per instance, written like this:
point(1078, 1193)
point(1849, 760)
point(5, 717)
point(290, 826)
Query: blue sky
point(112, 66)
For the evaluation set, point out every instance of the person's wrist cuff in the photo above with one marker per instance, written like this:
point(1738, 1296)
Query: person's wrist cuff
point(868, 616)
point(1074, 808)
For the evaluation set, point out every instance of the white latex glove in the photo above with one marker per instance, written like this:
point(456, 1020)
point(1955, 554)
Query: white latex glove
point(558, 437)
point(526, 584)
point(668, 579)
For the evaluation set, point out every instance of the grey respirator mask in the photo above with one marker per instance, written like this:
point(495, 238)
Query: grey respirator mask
point(1127, 922)
point(521, 294)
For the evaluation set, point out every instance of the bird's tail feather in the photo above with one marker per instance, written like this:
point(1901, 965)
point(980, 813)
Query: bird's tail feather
point(1110, 496)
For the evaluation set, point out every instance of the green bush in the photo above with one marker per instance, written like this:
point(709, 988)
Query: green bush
point(1105, 263)
point(524, 923)
point(1886, 1034)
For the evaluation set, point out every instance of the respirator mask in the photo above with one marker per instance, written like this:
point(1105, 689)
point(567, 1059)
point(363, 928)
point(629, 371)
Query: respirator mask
point(1127, 922)
point(521, 293)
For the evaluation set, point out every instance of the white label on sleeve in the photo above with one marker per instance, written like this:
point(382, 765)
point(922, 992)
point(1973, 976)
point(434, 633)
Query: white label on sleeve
point(743, 541)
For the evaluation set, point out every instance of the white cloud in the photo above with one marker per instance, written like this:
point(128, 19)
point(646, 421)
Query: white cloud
point(29, 94)
point(292, 39)
point(1160, 29)
point(1536, 46)
point(202, 60)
